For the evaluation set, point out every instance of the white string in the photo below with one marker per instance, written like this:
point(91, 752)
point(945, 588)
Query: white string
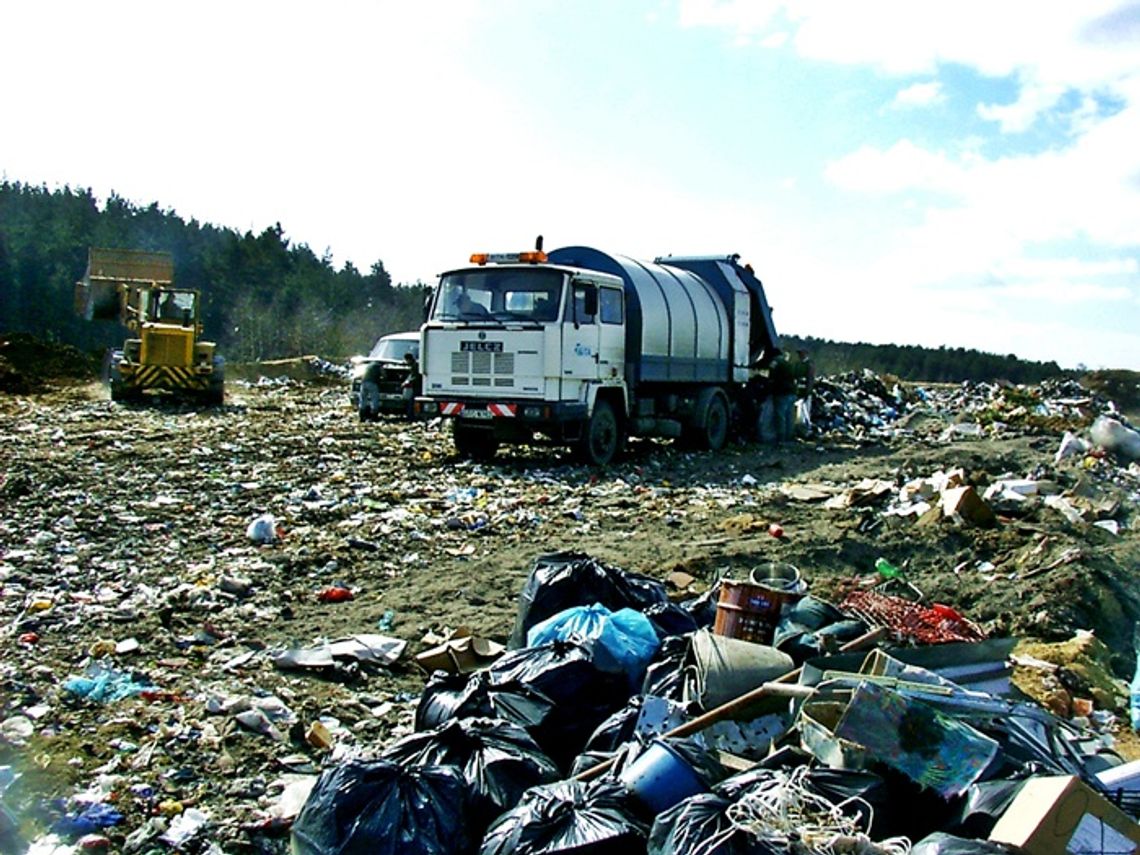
point(783, 811)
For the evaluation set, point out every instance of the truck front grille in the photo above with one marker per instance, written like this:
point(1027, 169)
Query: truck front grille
point(482, 368)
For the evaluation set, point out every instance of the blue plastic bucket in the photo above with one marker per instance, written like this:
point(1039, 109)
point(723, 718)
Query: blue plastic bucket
point(660, 777)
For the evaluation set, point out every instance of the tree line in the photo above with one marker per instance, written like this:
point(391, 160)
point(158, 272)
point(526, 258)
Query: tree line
point(921, 364)
point(263, 296)
point(267, 298)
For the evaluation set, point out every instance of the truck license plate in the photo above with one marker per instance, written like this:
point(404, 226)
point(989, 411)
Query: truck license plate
point(476, 414)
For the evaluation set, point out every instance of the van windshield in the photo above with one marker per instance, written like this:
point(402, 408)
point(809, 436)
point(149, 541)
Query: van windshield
point(507, 294)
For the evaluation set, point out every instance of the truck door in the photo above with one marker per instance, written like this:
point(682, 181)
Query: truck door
point(611, 333)
point(580, 341)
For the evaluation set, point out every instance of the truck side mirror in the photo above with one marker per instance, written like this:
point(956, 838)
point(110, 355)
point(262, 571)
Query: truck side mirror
point(590, 301)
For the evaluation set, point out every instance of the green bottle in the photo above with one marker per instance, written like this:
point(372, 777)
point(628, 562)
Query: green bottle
point(886, 569)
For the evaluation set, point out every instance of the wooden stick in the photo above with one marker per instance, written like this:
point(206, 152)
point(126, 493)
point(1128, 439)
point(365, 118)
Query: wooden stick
point(777, 687)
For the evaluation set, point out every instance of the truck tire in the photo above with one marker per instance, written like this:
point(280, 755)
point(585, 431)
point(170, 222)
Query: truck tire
point(601, 439)
point(711, 428)
point(473, 443)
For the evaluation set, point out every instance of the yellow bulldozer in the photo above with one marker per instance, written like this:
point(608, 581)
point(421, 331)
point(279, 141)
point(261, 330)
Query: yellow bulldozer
point(164, 350)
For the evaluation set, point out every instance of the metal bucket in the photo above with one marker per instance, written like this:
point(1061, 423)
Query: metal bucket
point(750, 610)
point(779, 576)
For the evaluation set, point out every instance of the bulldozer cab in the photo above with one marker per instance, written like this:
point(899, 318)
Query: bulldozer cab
point(172, 306)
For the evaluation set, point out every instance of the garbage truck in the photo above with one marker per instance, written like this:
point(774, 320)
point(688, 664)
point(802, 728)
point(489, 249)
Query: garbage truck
point(164, 349)
point(583, 348)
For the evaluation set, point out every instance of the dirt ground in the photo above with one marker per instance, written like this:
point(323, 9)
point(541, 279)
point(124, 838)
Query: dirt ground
point(124, 541)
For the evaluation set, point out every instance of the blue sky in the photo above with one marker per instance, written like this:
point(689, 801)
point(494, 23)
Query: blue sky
point(961, 174)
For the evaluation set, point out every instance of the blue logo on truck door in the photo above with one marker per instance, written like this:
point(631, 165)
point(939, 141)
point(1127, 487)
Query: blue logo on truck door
point(583, 350)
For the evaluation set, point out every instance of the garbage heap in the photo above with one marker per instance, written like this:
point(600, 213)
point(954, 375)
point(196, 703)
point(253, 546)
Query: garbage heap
point(753, 718)
point(866, 405)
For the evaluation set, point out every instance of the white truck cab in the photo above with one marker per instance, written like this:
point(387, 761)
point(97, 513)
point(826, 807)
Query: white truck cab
point(515, 347)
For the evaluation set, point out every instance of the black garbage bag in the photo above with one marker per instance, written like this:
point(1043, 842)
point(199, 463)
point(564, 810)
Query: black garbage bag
point(700, 824)
point(499, 761)
point(617, 759)
point(378, 807)
point(703, 607)
point(584, 695)
point(449, 696)
point(982, 806)
point(665, 676)
point(562, 580)
point(567, 817)
point(669, 620)
point(941, 843)
point(862, 796)
point(617, 729)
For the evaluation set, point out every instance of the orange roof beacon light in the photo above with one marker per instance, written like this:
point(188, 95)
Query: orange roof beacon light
point(533, 257)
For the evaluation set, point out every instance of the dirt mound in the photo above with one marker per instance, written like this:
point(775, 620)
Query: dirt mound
point(28, 364)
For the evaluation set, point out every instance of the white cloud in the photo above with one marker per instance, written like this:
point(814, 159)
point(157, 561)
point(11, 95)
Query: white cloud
point(1070, 268)
point(1063, 292)
point(1070, 46)
point(1022, 113)
point(920, 95)
point(903, 167)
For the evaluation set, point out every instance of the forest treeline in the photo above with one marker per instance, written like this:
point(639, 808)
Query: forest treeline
point(263, 297)
point(921, 364)
point(267, 298)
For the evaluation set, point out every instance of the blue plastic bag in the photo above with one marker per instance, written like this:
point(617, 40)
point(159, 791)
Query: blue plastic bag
point(624, 641)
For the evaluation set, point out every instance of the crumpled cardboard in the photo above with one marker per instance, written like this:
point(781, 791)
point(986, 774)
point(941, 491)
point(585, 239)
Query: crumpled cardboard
point(458, 652)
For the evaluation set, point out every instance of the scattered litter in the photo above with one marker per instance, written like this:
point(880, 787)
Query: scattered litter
point(146, 617)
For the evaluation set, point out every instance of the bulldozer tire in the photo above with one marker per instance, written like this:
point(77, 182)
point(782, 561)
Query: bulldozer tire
point(216, 392)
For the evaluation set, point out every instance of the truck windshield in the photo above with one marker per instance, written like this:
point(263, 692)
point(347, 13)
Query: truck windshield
point(506, 294)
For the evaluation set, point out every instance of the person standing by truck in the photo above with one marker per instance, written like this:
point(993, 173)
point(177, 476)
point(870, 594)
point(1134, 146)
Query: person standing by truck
point(789, 379)
point(412, 386)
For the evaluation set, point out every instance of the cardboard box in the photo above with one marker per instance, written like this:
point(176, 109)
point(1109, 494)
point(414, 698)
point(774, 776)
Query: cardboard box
point(1061, 815)
point(461, 653)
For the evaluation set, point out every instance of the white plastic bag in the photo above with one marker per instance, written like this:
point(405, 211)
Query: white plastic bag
point(803, 415)
point(1113, 436)
point(263, 529)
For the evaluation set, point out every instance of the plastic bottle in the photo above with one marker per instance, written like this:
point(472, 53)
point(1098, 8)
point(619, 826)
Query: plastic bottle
point(886, 569)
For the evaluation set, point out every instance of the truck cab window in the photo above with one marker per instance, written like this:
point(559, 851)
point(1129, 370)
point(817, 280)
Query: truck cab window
point(585, 304)
point(610, 305)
